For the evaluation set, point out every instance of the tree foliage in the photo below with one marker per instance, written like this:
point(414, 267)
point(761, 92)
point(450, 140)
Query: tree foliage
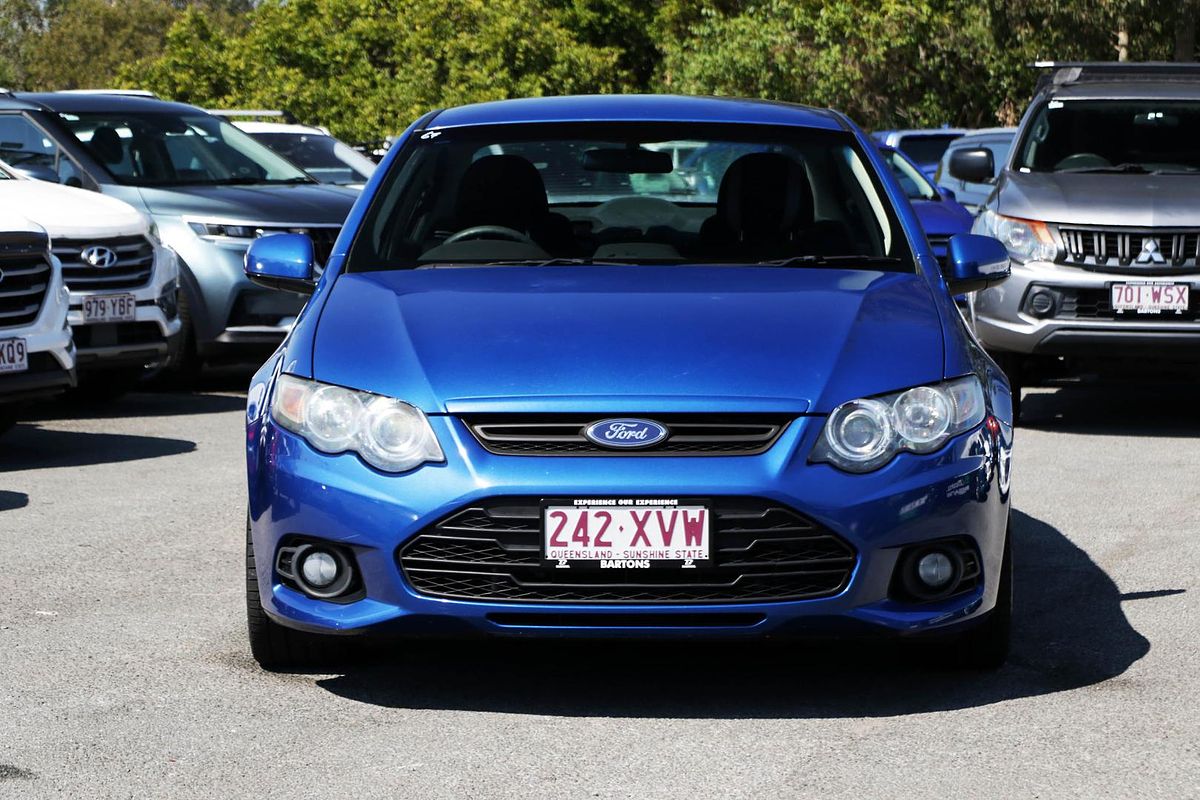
point(369, 67)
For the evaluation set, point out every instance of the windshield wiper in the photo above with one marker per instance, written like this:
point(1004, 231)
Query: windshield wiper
point(826, 261)
point(1113, 168)
point(247, 181)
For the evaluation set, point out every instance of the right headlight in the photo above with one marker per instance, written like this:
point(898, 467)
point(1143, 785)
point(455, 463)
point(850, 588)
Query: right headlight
point(862, 435)
point(388, 434)
point(1025, 239)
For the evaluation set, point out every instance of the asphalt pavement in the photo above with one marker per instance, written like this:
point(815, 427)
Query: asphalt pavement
point(124, 669)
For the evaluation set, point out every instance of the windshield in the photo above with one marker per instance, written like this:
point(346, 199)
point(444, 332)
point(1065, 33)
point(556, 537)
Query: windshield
point(912, 180)
point(323, 157)
point(926, 148)
point(629, 193)
point(1112, 136)
point(168, 149)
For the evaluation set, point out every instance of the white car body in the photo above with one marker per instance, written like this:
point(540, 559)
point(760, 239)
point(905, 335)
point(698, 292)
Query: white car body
point(352, 160)
point(33, 312)
point(144, 270)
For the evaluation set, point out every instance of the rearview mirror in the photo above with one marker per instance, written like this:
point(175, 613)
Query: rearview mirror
point(628, 161)
point(973, 166)
point(282, 261)
point(974, 263)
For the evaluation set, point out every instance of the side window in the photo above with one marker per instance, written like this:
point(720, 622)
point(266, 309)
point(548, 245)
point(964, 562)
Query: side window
point(31, 151)
point(1000, 151)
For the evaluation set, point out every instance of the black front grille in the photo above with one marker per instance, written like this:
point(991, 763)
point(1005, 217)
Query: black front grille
point(1097, 304)
point(117, 334)
point(24, 277)
point(132, 268)
point(762, 552)
point(1148, 250)
point(689, 435)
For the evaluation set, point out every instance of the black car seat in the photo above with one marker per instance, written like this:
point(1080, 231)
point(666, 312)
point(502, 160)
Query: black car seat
point(506, 190)
point(765, 210)
point(106, 145)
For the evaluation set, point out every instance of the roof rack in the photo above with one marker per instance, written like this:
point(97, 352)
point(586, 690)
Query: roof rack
point(1066, 72)
point(286, 116)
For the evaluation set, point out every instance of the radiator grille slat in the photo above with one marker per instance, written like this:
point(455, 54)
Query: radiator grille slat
point(1132, 251)
point(132, 270)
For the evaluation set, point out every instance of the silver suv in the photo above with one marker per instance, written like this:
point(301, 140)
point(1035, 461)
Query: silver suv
point(1099, 207)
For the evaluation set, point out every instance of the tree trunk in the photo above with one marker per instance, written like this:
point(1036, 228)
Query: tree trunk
point(1122, 40)
point(1185, 31)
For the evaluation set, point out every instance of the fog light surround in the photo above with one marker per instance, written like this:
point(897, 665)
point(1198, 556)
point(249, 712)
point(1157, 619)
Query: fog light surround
point(319, 570)
point(1042, 303)
point(936, 570)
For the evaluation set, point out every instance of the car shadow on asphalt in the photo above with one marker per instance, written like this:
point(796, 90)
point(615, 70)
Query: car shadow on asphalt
point(28, 446)
point(1070, 632)
point(1150, 409)
point(13, 500)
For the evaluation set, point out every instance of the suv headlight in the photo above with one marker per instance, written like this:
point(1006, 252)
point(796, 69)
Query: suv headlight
point(1026, 239)
point(863, 435)
point(388, 434)
point(221, 230)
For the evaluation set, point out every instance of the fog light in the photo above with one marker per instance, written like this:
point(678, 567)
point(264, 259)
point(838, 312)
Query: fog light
point(935, 570)
point(320, 572)
point(321, 569)
point(1042, 303)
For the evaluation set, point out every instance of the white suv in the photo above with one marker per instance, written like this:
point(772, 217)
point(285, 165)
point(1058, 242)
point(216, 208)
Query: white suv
point(124, 283)
point(37, 356)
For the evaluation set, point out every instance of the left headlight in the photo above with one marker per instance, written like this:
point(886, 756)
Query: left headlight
point(863, 435)
point(388, 434)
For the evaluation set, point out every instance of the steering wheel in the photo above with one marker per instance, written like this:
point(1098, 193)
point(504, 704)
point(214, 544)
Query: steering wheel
point(490, 232)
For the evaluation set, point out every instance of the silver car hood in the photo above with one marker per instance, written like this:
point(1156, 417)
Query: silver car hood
point(1121, 200)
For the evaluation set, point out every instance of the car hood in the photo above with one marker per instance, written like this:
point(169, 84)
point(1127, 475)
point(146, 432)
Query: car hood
point(942, 218)
point(1142, 201)
point(67, 212)
point(311, 204)
point(628, 339)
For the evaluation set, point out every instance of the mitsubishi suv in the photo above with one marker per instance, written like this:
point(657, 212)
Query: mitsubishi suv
point(1099, 207)
point(209, 188)
point(37, 357)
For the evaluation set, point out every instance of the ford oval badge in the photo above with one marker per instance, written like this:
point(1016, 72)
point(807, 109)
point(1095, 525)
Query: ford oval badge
point(625, 433)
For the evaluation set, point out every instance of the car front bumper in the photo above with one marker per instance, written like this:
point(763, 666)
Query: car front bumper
point(1002, 322)
point(960, 491)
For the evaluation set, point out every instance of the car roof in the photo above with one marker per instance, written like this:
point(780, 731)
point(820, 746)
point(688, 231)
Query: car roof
point(255, 126)
point(900, 133)
point(83, 102)
point(985, 134)
point(1127, 90)
point(636, 108)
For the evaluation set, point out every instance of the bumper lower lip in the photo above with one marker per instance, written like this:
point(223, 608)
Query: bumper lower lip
point(297, 491)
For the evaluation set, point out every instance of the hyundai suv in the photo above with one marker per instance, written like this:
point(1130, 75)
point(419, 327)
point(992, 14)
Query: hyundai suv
point(1099, 207)
point(209, 188)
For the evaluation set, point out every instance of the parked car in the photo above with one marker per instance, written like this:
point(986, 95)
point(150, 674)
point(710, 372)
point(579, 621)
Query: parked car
point(972, 195)
point(124, 282)
point(511, 410)
point(210, 189)
point(941, 215)
point(37, 357)
point(925, 146)
point(1099, 207)
point(311, 148)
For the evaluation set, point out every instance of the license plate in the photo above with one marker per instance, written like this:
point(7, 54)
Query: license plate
point(14, 357)
point(1150, 297)
point(625, 534)
point(109, 308)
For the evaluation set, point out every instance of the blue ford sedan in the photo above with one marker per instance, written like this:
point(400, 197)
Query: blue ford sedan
point(554, 383)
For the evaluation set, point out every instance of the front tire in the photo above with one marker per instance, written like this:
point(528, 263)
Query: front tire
point(274, 646)
point(986, 646)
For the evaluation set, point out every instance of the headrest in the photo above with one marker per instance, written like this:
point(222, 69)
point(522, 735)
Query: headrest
point(106, 144)
point(501, 190)
point(765, 195)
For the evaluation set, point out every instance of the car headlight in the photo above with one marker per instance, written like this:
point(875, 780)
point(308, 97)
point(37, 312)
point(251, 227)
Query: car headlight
point(863, 435)
point(387, 434)
point(221, 230)
point(1026, 239)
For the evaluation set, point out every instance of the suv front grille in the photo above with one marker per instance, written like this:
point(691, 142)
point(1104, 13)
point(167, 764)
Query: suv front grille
point(1135, 250)
point(132, 269)
point(24, 277)
point(762, 552)
point(690, 435)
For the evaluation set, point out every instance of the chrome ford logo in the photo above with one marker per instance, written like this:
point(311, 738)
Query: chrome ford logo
point(625, 433)
point(98, 256)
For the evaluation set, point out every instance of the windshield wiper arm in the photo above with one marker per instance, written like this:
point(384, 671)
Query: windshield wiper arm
point(823, 261)
point(1114, 168)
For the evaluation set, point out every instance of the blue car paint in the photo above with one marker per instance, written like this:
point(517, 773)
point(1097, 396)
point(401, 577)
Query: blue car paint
point(884, 332)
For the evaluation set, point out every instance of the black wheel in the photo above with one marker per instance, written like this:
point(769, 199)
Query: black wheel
point(1013, 365)
point(274, 646)
point(986, 646)
point(184, 368)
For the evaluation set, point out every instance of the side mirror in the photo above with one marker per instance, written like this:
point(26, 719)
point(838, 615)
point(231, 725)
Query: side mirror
point(973, 166)
point(282, 261)
point(974, 263)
